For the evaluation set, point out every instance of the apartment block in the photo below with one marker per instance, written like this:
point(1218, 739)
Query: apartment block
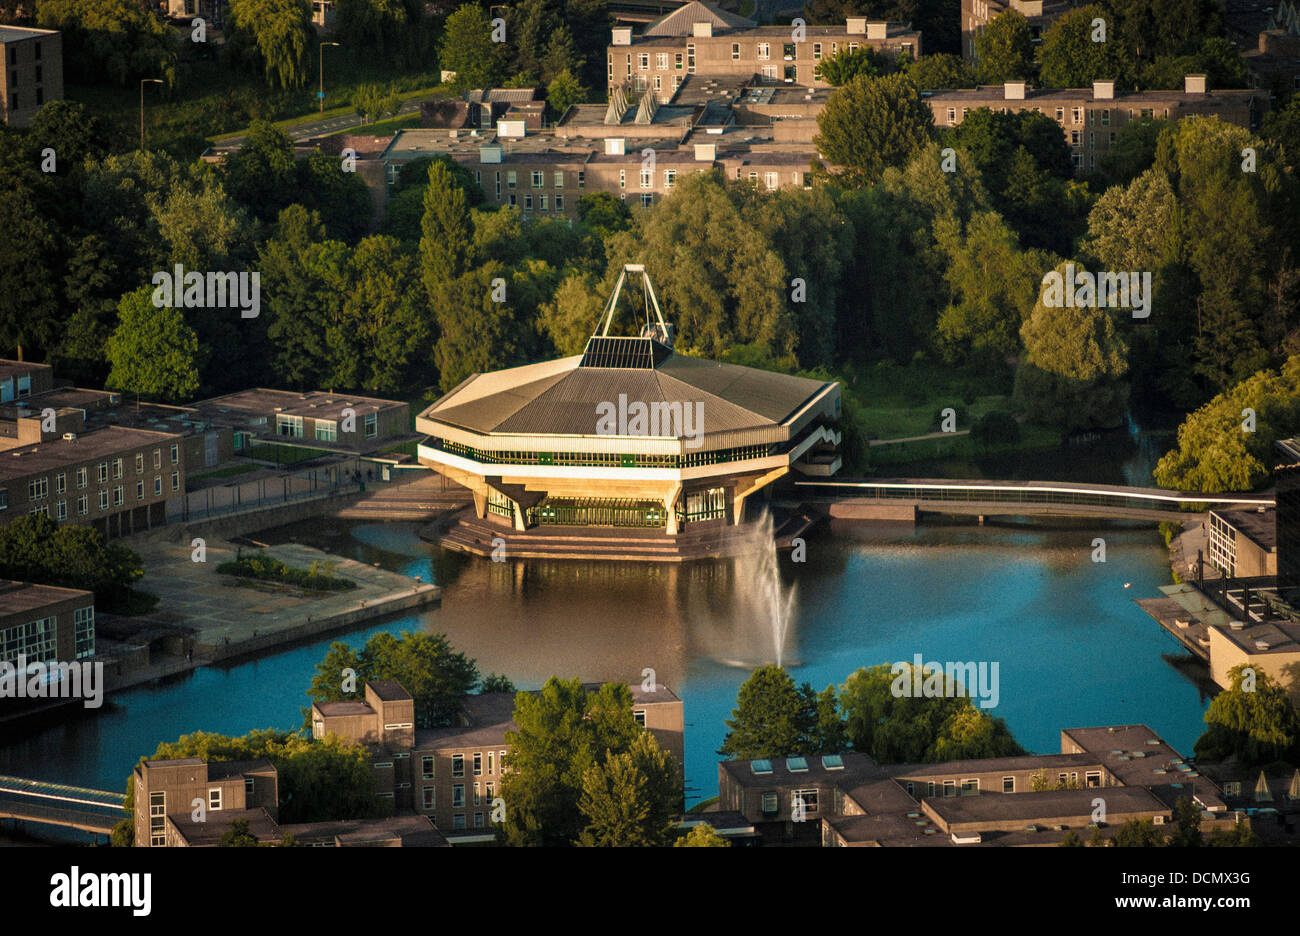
point(1243, 543)
point(452, 775)
point(32, 72)
point(850, 800)
point(1266, 33)
point(188, 801)
point(700, 38)
point(1090, 119)
point(116, 479)
point(45, 624)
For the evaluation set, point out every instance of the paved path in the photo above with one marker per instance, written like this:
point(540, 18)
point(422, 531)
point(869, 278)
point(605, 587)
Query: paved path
point(222, 611)
point(329, 125)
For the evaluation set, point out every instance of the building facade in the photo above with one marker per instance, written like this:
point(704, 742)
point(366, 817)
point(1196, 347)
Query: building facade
point(45, 624)
point(32, 73)
point(1243, 543)
point(1090, 119)
point(699, 38)
point(453, 775)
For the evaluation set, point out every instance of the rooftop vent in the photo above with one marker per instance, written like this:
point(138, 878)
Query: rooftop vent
point(69, 437)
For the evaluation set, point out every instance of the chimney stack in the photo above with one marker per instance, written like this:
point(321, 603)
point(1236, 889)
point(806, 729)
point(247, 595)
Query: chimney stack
point(1013, 91)
point(1194, 84)
point(1103, 90)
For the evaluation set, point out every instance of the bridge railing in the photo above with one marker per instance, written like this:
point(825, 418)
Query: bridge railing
point(1013, 493)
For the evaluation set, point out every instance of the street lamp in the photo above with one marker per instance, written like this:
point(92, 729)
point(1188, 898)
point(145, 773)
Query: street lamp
point(321, 95)
point(143, 82)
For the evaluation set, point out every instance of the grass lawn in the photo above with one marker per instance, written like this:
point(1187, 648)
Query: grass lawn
point(384, 127)
point(211, 100)
point(228, 472)
point(1031, 437)
point(282, 454)
point(896, 402)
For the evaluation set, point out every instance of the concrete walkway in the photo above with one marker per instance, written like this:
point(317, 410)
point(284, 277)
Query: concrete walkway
point(231, 615)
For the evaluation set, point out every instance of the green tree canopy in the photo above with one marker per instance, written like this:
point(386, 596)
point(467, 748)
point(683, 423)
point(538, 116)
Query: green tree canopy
point(631, 799)
point(872, 123)
point(468, 50)
point(903, 728)
point(1072, 372)
point(1256, 726)
point(1004, 49)
point(701, 836)
point(564, 731)
point(1215, 453)
point(36, 549)
point(1075, 53)
point(153, 353)
point(426, 665)
point(278, 35)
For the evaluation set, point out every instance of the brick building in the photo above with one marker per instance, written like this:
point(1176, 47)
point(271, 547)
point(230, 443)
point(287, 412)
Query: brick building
point(1090, 118)
point(453, 774)
point(32, 72)
point(45, 624)
point(699, 38)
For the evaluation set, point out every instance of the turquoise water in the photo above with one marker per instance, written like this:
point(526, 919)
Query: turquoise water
point(1072, 648)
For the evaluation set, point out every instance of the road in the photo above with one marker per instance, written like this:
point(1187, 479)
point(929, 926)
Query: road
point(317, 128)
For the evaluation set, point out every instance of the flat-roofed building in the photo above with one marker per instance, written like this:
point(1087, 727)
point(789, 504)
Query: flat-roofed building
point(1243, 543)
point(32, 72)
point(1031, 799)
point(116, 479)
point(629, 434)
point(316, 419)
point(700, 38)
point(45, 624)
point(169, 794)
point(1091, 118)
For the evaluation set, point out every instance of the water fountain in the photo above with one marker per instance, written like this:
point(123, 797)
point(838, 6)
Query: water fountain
point(754, 624)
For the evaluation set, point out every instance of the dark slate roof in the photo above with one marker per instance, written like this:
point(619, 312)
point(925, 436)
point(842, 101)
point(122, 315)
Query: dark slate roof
point(544, 400)
point(681, 21)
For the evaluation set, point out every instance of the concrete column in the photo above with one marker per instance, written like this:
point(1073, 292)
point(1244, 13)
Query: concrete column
point(480, 503)
point(520, 523)
point(670, 503)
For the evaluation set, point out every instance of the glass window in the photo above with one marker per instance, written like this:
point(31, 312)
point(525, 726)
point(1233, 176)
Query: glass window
point(157, 486)
point(117, 468)
point(214, 799)
point(1008, 784)
point(372, 425)
point(139, 462)
point(458, 765)
point(559, 178)
point(764, 51)
point(176, 480)
point(428, 797)
point(478, 764)
point(83, 505)
point(327, 430)
point(426, 767)
point(457, 795)
point(81, 477)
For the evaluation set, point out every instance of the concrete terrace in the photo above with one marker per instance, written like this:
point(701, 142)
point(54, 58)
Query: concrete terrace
point(234, 616)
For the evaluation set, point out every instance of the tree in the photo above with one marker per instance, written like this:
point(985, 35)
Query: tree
point(1217, 59)
point(113, 39)
point(942, 71)
point(895, 727)
point(426, 666)
point(237, 835)
point(1281, 126)
point(477, 333)
point(370, 26)
point(279, 34)
point(563, 731)
point(563, 92)
point(871, 123)
point(341, 198)
point(702, 835)
point(153, 353)
point(261, 173)
point(991, 284)
point(570, 318)
point(1256, 726)
point(772, 718)
point(1071, 839)
point(28, 303)
point(1150, 28)
point(996, 428)
point(1072, 372)
point(71, 131)
point(604, 213)
point(1134, 150)
point(631, 799)
point(496, 682)
point(1214, 454)
point(36, 549)
point(468, 50)
point(1004, 49)
point(446, 232)
point(1187, 824)
point(1138, 833)
point(847, 64)
point(1073, 56)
